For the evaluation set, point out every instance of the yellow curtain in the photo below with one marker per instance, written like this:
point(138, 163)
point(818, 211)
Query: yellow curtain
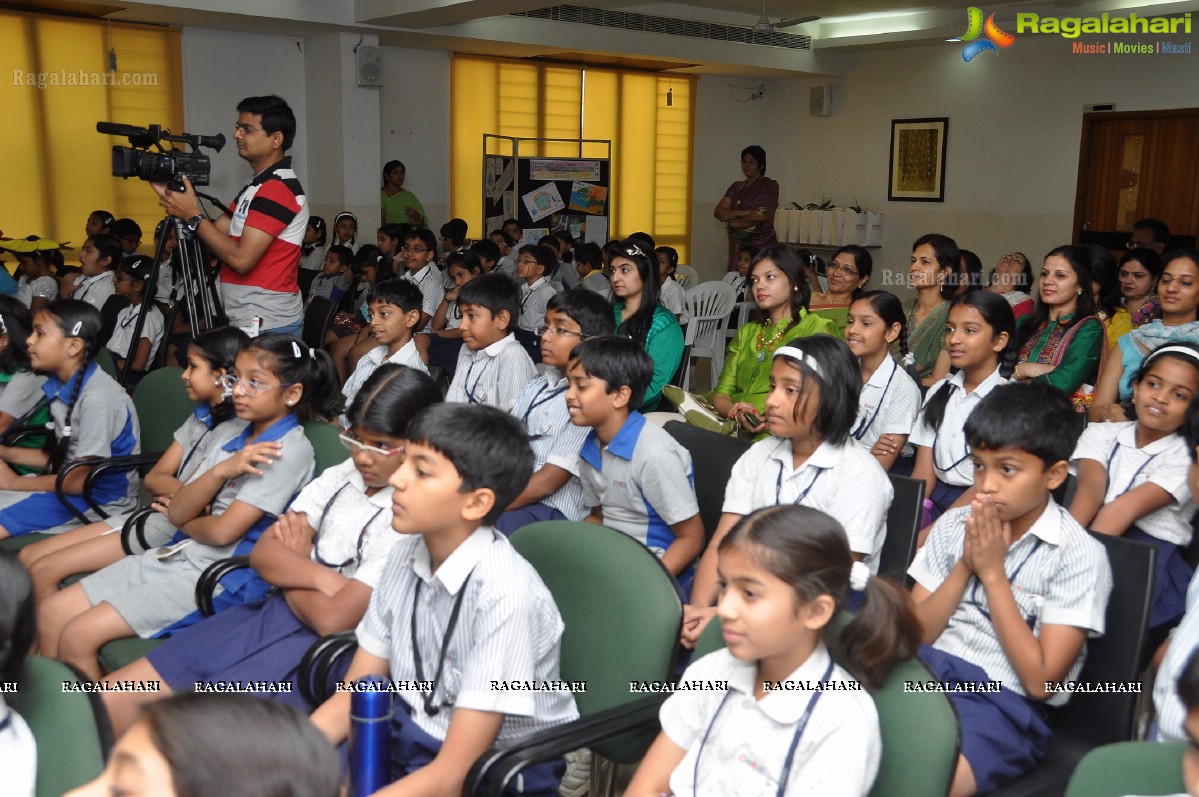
point(650, 185)
point(57, 168)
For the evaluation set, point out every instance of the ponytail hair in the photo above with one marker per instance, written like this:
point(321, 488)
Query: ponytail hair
point(997, 314)
point(16, 323)
point(109, 246)
point(76, 319)
point(390, 397)
point(292, 361)
point(809, 550)
point(219, 348)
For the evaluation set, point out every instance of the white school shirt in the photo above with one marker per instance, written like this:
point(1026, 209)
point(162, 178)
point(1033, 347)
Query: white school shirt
point(508, 629)
point(890, 404)
point(370, 362)
point(1163, 462)
point(122, 333)
point(533, 300)
point(95, 290)
point(843, 481)
point(493, 375)
point(351, 526)
point(18, 753)
point(744, 753)
point(673, 297)
point(951, 453)
point(432, 291)
point(45, 287)
point(554, 439)
point(1184, 641)
point(1061, 574)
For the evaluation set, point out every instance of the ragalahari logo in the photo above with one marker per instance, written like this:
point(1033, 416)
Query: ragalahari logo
point(993, 39)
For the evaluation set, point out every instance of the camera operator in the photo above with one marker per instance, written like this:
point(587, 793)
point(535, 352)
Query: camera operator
point(259, 245)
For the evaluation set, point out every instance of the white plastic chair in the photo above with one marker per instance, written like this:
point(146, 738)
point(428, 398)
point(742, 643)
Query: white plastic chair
point(709, 305)
point(687, 276)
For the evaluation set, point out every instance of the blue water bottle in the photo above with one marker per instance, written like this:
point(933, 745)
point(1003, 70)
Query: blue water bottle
point(370, 736)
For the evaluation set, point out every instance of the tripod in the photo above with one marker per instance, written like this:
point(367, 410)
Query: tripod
point(200, 294)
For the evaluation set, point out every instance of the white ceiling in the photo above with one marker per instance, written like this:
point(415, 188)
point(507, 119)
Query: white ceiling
point(487, 26)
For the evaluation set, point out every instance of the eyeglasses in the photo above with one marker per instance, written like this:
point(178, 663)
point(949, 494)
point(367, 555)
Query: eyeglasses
point(355, 445)
point(414, 250)
point(251, 387)
point(837, 268)
point(1140, 244)
point(526, 261)
point(542, 330)
point(244, 129)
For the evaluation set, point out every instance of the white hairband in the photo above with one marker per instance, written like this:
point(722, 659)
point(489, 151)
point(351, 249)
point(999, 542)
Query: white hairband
point(859, 574)
point(796, 354)
point(1194, 355)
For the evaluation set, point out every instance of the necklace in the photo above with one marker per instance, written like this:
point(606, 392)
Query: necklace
point(765, 346)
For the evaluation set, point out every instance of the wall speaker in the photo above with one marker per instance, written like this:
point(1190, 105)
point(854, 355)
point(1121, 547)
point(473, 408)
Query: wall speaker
point(370, 73)
point(820, 102)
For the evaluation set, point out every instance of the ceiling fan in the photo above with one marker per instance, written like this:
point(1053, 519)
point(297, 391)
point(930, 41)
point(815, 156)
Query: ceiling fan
point(764, 25)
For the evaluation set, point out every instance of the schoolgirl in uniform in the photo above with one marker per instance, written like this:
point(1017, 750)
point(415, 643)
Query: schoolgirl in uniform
point(97, 545)
point(979, 334)
point(20, 385)
point(890, 399)
point(810, 459)
point(326, 555)
point(1132, 476)
point(132, 278)
point(97, 259)
point(784, 572)
point(63, 343)
point(241, 487)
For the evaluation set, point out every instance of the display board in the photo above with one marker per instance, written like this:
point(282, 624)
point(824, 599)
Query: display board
point(546, 194)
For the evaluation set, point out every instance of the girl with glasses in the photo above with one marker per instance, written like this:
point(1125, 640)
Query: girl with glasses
point(847, 273)
point(325, 555)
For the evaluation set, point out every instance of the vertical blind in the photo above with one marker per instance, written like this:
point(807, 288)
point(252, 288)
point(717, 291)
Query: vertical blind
point(57, 168)
point(651, 142)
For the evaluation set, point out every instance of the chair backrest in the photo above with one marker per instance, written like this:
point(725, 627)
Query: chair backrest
point(903, 524)
point(316, 321)
point(710, 300)
point(71, 729)
point(328, 449)
point(622, 610)
point(168, 323)
point(920, 731)
point(687, 276)
point(1115, 770)
point(162, 407)
point(1102, 718)
point(712, 458)
point(104, 360)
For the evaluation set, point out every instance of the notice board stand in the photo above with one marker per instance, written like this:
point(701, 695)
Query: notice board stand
point(529, 180)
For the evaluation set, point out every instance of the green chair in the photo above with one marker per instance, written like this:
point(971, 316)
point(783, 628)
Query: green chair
point(104, 360)
point(921, 740)
point(1115, 770)
point(71, 728)
point(328, 449)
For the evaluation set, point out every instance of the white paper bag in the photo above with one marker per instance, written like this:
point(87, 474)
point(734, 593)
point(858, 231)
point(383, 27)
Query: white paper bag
point(828, 228)
point(858, 236)
point(874, 229)
point(796, 225)
point(803, 234)
point(782, 223)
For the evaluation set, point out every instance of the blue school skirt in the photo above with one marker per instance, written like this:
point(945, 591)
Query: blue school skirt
point(261, 641)
point(514, 519)
point(1171, 579)
point(942, 498)
point(1004, 734)
point(38, 512)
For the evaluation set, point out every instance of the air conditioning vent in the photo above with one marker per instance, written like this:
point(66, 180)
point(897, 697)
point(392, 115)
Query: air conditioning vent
point(647, 23)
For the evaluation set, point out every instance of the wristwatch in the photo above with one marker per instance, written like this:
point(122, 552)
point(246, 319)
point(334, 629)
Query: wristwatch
point(193, 223)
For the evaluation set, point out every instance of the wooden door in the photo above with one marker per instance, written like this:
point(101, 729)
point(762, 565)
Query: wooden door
point(1136, 165)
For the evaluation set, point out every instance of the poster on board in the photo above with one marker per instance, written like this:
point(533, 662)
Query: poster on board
point(546, 169)
point(542, 201)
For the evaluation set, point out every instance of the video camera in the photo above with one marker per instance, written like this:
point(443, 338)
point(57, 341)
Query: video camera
point(163, 165)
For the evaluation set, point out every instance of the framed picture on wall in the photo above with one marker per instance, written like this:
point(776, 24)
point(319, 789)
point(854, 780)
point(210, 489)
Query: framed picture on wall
point(918, 160)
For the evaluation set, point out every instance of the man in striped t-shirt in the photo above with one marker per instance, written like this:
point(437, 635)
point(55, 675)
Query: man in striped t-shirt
point(259, 242)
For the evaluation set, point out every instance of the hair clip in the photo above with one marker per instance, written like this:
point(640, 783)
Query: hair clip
point(66, 431)
point(3, 326)
point(312, 352)
point(634, 249)
point(796, 354)
point(295, 347)
point(909, 360)
point(75, 329)
point(859, 574)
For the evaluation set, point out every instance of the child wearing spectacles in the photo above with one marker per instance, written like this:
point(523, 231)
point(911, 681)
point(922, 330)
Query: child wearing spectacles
point(325, 555)
point(418, 256)
point(242, 486)
point(457, 606)
point(554, 492)
point(1009, 587)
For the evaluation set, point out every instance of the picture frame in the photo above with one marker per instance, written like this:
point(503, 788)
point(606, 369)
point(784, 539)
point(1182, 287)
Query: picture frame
point(917, 166)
